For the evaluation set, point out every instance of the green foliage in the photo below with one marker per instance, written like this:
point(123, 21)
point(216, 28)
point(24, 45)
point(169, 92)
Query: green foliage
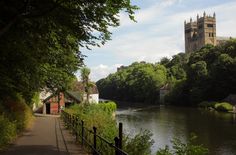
point(180, 148)
point(8, 131)
point(165, 151)
point(15, 116)
point(206, 74)
point(98, 115)
point(219, 106)
point(210, 75)
point(36, 99)
point(178, 94)
point(108, 107)
point(84, 73)
point(224, 106)
point(140, 144)
point(16, 109)
point(139, 82)
point(40, 40)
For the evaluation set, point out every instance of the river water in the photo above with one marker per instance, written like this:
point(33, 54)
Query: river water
point(216, 131)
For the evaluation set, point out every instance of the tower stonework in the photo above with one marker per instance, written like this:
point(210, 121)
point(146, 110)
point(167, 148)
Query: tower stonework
point(199, 33)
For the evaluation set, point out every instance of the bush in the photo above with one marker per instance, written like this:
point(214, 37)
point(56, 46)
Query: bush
point(98, 115)
point(180, 148)
point(8, 131)
point(15, 115)
point(224, 106)
point(165, 151)
point(18, 111)
point(109, 107)
point(140, 144)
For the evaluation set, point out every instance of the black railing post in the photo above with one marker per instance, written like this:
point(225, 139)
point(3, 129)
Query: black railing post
point(120, 135)
point(76, 128)
point(69, 120)
point(82, 133)
point(73, 122)
point(117, 152)
point(95, 140)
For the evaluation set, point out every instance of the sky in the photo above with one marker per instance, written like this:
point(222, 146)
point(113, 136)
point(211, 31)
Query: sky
point(158, 33)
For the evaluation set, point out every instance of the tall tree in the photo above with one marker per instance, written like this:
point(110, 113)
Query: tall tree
point(84, 72)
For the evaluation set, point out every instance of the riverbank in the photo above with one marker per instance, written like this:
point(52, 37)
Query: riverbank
point(126, 104)
point(218, 106)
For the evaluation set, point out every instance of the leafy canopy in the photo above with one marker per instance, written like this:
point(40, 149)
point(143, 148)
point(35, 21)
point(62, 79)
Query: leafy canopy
point(40, 40)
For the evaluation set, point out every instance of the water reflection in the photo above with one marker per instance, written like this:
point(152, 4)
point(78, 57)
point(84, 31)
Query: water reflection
point(215, 130)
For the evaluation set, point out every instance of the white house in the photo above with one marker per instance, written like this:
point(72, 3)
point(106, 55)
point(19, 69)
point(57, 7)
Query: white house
point(42, 96)
point(93, 95)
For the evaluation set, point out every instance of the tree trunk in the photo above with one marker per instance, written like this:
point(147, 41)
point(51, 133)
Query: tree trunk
point(59, 103)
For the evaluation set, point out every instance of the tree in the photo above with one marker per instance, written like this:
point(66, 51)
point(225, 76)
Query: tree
point(205, 75)
point(164, 61)
point(40, 40)
point(139, 82)
point(77, 18)
point(84, 73)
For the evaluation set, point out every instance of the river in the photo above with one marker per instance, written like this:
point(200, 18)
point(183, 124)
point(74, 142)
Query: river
point(215, 130)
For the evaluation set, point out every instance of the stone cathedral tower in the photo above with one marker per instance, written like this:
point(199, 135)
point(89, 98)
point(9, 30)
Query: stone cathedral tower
point(199, 33)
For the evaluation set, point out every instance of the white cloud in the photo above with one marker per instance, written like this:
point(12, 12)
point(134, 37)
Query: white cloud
point(101, 71)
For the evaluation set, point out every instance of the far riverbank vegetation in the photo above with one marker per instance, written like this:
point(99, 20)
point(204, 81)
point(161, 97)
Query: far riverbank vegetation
point(206, 75)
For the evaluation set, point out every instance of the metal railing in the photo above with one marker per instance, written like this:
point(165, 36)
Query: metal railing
point(90, 139)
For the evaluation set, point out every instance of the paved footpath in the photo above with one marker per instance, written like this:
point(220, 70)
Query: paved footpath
point(48, 136)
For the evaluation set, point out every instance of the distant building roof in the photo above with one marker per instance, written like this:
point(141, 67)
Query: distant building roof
point(50, 96)
point(80, 87)
point(75, 95)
